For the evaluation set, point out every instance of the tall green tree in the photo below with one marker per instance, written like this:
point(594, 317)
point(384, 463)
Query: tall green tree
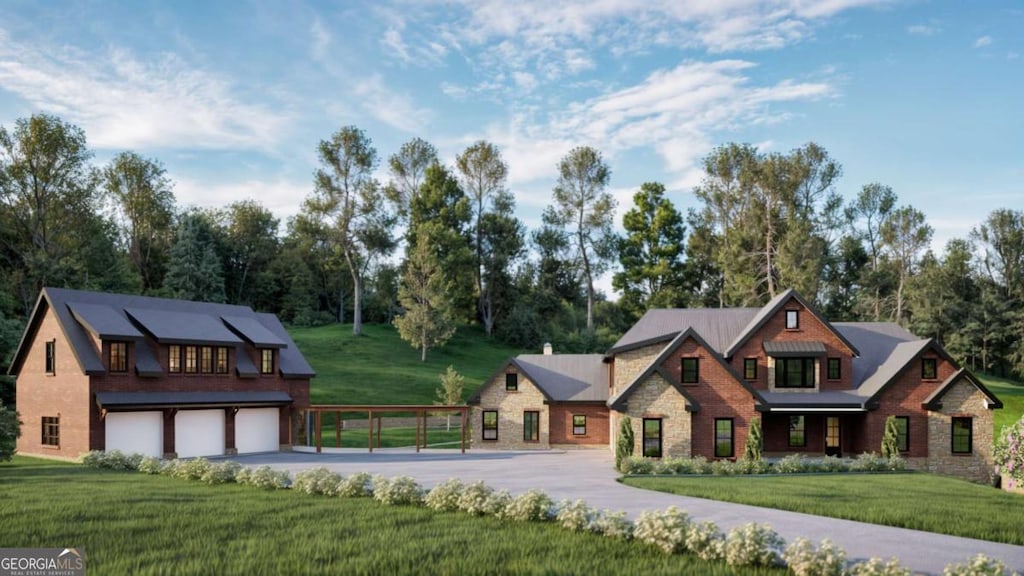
point(502, 241)
point(585, 210)
point(251, 245)
point(1000, 239)
point(905, 234)
point(427, 320)
point(651, 253)
point(195, 271)
point(408, 168)
point(868, 212)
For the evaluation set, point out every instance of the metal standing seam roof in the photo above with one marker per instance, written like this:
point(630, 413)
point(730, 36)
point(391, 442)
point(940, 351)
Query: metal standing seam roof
point(251, 330)
point(718, 326)
point(885, 349)
point(179, 327)
point(793, 348)
point(115, 400)
point(104, 322)
point(567, 377)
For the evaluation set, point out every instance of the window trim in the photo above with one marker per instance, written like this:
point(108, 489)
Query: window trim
point(122, 366)
point(511, 382)
point(531, 433)
point(795, 316)
point(50, 431)
point(838, 362)
point(50, 361)
point(190, 363)
point(696, 370)
point(781, 370)
point(660, 437)
point(575, 426)
point(206, 360)
point(266, 368)
point(174, 364)
point(906, 433)
point(732, 438)
point(750, 368)
point(934, 363)
point(970, 434)
point(217, 360)
point(802, 429)
point(484, 428)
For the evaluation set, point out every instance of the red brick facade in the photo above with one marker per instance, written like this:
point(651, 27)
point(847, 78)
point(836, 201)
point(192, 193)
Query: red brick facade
point(561, 423)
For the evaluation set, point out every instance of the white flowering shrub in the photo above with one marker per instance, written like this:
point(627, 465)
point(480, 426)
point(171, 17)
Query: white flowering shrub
point(317, 481)
point(473, 499)
point(871, 462)
point(705, 541)
point(666, 530)
point(357, 485)
point(745, 466)
point(637, 465)
point(445, 496)
point(725, 468)
point(792, 464)
point(531, 506)
point(497, 503)
point(221, 472)
point(878, 567)
point(1008, 453)
point(752, 545)
point(834, 464)
point(575, 516)
point(804, 560)
point(191, 469)
point(151, 465)
point(979, 565)
point(264, 477)
point(396, 491)
point(613, 525)
point(113, 460)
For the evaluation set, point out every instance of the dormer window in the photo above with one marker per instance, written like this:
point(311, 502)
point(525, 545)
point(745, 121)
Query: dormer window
point(206, 360)
point(929, 369)
point(792, 319)
point(266, 361)
point(191, 359)
point(222, 360)
point(118, 357)
point(174, 359)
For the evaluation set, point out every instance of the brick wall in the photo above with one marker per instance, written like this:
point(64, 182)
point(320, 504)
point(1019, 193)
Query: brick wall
point(510, 407)
point(562, 429)
point(962, 399)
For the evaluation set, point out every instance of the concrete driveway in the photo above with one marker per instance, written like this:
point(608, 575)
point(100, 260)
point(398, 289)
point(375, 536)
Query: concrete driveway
point(588, 475)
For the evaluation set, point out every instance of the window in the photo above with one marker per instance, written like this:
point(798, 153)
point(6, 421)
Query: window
point(794, 373)
point(792, 319)
point(903, 433)
point(652, 437)
point(531, 426)
point(190, 359)
point(267, 361)
point(206, 360)
point(118, 356)
point(750, 368)
point(490, 428)
point(797, 431)
point(51, 431)
point(511, 382)
point(51, 357)
point(174, 358)
point(834, 369)
point(579, 425)
point(691, 370)
point(222, 360)
point(962, 436)
point(723, 438)
point(929, 369)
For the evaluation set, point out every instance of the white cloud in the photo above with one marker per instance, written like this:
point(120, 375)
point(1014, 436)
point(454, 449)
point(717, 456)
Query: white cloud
point(124, 102)
point(394, 109)
point(321, 39)
point(923, 30)
point(525, 80)
point(983, 41)
point(393, 40)
point(280, 196)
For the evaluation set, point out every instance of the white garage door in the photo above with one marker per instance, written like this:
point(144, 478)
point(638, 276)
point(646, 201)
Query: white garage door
point(199, 433)
point(256, 430)
point(135, 432)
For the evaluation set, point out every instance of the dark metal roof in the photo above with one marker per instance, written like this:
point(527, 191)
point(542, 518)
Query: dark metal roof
point(933, 401)
point(567, 377)
point(828, 399)
point(769, 309)
point(718, 326)
point(793, 348)
point(135, 400)
point(178, 327)
point(104, 322)
point(243, 363)
point(252, 331)
point(885, 349)
point(292, 364)
point(146, 364)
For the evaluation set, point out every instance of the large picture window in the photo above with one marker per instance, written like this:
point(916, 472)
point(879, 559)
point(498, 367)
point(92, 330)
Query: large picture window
point(118, 356)
point(490, 425)
point(51, 431)
point(797, 431)
point(794, 373)
point(51, 357)
point(531, 426)
point(222, 360)
point(267, 361)
point(691, 370)
point(652, 437)
point(723, 438)
point(963, 437)
point(191, 359)
point(174, 359)
point(903, 433)
point(579, 425)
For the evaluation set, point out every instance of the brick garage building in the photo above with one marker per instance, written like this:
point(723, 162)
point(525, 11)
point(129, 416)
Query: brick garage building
point(160, 377)
point(691, 381)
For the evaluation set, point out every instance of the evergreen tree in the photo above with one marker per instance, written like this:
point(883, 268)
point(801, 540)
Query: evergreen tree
point(194, 271)
point(890, 446)
point(624, 443)
point(426, 321)
point(10, 431)
point(755, 442)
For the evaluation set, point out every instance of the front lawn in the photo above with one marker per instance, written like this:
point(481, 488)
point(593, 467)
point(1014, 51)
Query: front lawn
point(130, 523)
point(919, 501)
point(1011, 393)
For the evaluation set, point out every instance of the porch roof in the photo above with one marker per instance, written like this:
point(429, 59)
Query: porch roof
point(139, 400)
point(812, 402)
point(793, 348)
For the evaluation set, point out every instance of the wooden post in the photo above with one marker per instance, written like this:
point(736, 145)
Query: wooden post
point(379, 419)
point(369, 415)
point(319, 440)
point(417, 414)
point(337, 429)
point(462, 429)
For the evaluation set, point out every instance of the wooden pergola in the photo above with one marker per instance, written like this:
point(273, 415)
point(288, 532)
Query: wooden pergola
point(374, 413)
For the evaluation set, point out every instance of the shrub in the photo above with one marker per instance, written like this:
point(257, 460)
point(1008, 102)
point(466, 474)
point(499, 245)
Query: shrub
point(755, 441)
point(624, 443)
point(744, 466)
point(445, 496)
point(804, 560)
point(724, 468)
point(575, 516)
point(890, 447)
point(666, 530)
point(113, 460)
point(497, 503)
point(151, 465)
point(698, 465)
point(871, 462)
point(264, 477)
point(191, 469)
point(752, 545)
point(317, 481)
point(636, 465)
point(1008, 453)
point(357, 485)
point(474, 497)
point(979, 565)
point(221, 472)
point(878, 567)
point(10, 431)
point(613, 524)
point(833, 464)
point(532, 506)
point(396, 491)
point(791, 464)
point(706, 541)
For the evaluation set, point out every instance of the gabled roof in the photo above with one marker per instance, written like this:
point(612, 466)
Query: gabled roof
point(561, 377)
point(718, 326)
point(769, 310)
point(933, 401)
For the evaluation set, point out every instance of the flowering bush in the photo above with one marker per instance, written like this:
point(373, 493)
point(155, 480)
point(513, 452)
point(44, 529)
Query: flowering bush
point(151, 465)
point(980, 565)
point(804, 560)
point(752, 545)
point(355, 486)
point(221, 472)
point(1008, 453)
point(445, 496)
point(666, 530)
point(613, 524)
point(264, 477)
point(190, 469)
point(871, 462)
point(745, 466)
point(497, 503)
point(532, 506)
point(113, 460)
point(575, 516)
point(398, 490)
point(792, 464)
point(878, 567)
point(317, 481)
point(474, 499)
point(833, 464)
point(706, 541)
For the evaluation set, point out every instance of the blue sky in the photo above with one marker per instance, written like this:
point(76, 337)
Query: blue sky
point(233, 96)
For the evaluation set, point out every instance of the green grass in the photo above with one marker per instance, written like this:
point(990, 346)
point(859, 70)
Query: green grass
point(1011, 393)
point(380, 368)
point(919, 501)
point(130, 523)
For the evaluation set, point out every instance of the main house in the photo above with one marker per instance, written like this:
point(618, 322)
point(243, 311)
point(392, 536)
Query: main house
point(692, 380)
point(155, 376)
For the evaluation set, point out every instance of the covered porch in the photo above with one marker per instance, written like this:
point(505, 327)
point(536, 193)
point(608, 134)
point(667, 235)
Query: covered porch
point(804, 424)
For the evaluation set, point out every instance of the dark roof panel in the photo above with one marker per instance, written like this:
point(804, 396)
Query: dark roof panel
point(104, 321)
point(252, 331)
point(178, 327)
point(243, 363)
point(718, 326)
point(292, 363)
point(145, 361)
point(567, 377)
point(793, 348)
point(135, 400)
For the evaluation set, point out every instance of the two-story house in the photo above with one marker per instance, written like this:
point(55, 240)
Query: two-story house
point(155, 376)
point(691, 381)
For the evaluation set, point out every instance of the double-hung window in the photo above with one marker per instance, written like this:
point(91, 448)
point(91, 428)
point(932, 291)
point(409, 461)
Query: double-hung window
point(723, 438)
point(963, 436)
point(118, 356)
point(490, 425)
point(579, 425)
point(691, 370)
point(794, 372)
point(531, 426)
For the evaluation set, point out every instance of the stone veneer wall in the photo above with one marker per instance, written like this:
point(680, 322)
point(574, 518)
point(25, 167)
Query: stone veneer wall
point(630, 364)
point(962, 399)
point(510, 407)
point(656, 398)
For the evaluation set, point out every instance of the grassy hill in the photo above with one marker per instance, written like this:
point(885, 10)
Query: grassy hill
point(381, 368)
point(1011, 393)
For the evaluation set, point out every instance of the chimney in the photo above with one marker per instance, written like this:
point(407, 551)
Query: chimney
point(547, 348)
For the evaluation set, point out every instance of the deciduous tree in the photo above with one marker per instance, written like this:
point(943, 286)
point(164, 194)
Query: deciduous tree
point(426, 321)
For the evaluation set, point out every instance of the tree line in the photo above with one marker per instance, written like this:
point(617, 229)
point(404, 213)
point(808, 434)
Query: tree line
point(436, 246)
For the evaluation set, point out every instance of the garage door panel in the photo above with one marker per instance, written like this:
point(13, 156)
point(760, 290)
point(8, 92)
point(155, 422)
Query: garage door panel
point(257, 430)
point(199, 433)
point(135, 433)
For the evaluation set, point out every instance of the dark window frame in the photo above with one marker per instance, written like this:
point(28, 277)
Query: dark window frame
point(50, 363)
point(731, 437)
point(266, 361)
point(954, 435)
point(50, 431)
point(903, 436)
point(933, 363)
point(644, 438)
point(531, 426)
point(484, 428)
point(174, 365)
point(206, 360)
point(511, 382)
point(190, 362)
point(793, 315)
point(695, 370)
point(117, 363)
point(808, 366)
point(579, 429)
point(750, 368)
point(802, 429)
point(837, 363)
point(220, 360)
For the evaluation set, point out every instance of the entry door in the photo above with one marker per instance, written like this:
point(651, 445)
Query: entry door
point(833, 436)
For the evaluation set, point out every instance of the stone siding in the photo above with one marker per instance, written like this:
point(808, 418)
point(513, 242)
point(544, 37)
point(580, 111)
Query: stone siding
point(656, 398)
point(510, 407)
point(630, 364)
point(962, 399)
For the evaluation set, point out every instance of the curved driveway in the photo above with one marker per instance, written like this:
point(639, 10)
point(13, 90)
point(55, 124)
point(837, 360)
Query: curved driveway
point(588, 474)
